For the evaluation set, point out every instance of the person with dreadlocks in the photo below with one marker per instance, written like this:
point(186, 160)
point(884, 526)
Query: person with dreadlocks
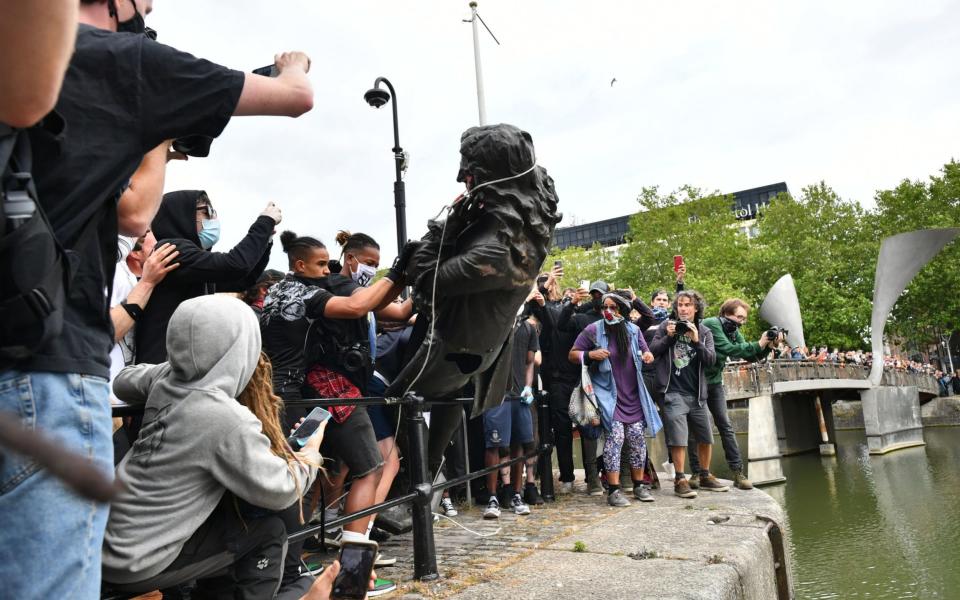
point(613, 349)
point(200, 452)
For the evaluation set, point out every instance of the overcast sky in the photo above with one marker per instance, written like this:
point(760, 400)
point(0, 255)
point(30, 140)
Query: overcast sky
point(720, 95)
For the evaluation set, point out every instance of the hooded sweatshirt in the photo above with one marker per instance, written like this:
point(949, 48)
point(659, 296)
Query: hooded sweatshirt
point(197, 441)
point(200, 272)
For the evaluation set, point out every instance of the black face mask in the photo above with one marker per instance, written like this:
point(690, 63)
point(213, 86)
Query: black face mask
point(135, 24)
point(730, 326)
point(597, 304)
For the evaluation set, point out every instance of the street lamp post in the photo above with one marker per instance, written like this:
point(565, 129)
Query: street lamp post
point(377, 97)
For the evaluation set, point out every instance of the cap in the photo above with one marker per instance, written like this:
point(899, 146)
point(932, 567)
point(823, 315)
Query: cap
point(599, 286)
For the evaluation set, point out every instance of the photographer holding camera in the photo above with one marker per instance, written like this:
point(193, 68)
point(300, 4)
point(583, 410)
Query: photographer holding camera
point(729, 343)
point(683, 349)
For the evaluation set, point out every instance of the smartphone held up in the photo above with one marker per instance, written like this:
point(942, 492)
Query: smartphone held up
point(356, 565)
point(299, 438)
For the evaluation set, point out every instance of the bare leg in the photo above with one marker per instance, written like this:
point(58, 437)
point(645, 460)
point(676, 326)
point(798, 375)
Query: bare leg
point(704, 453)
point(491, 457)
point(516, 470)
point(363, 493)
point(678, 454)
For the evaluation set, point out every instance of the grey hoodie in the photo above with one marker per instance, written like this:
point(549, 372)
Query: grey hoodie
point(196, 443)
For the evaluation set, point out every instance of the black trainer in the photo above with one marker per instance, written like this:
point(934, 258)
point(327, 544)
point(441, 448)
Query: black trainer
point(531, 495)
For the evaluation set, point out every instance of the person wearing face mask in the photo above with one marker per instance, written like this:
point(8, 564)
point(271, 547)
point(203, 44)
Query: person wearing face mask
point(729, 343)
point(303, 298)
point(684, 349)
point(613, 349)
point(316, 330)
point(188, 220)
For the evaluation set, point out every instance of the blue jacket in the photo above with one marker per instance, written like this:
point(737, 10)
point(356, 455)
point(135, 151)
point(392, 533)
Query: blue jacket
point(606, 388)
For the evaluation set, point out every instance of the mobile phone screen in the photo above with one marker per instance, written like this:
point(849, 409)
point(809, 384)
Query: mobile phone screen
point(267, 71)
point(356, 563)
point(309, 426)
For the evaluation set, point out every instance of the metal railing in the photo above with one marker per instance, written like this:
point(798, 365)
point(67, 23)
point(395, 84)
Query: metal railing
point(422, 487)
point(748, 380)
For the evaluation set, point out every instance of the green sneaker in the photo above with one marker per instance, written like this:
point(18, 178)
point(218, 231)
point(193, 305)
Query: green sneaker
point(694, 481)
point(311, 563)
point(381, 587)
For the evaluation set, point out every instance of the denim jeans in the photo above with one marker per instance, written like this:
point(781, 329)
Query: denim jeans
point(51, 541)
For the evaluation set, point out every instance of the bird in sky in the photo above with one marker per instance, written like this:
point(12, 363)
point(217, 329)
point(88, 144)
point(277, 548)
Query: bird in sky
point(613, 81)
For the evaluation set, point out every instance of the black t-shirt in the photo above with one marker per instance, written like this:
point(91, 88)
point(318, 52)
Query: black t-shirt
point(525, 340)
point(123, 94)
point(289, 307)
point(328, 337)
point(685, 374)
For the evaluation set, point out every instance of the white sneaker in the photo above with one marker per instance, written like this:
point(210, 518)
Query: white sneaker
point(566, 487)
point(492, 511)
point(519, 508)
point(383, 561)
point(447, 508)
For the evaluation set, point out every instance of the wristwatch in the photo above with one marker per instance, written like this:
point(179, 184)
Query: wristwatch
point(134, 310)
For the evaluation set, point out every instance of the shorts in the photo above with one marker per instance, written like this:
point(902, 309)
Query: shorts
point(384, 418)
point(681, 412)
point(509, 423)
point(354, 443)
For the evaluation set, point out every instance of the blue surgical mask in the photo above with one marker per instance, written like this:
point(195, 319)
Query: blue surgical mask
point(659, 314)
point(209, 233)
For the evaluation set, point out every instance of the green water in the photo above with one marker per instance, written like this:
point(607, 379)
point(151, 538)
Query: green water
point(874, 526)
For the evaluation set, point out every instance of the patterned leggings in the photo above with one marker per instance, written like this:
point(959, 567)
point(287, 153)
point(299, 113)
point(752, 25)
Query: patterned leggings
point(635, 439)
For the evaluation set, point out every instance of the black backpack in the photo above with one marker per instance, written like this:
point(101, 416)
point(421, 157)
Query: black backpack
point(34, 269)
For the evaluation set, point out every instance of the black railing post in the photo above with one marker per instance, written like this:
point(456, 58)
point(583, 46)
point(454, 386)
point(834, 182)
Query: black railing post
point(545, 460)
point(424, 548)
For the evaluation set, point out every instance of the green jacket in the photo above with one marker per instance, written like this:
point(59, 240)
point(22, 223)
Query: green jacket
point(738, 348)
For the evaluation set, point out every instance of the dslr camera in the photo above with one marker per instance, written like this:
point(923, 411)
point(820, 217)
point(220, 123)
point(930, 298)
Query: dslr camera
point(683, 327)
point(354, 358)
point(774, 331)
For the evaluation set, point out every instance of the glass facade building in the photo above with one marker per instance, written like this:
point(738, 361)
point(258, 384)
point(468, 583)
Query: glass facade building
point(612, 232)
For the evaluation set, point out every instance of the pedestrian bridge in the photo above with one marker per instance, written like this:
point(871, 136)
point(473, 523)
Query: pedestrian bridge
point(745, 381)
point(790, 408)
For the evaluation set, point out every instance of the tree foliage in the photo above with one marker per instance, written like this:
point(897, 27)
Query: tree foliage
point(829, 245)
point(581, 264)
point(932, 301)
point(700, 227)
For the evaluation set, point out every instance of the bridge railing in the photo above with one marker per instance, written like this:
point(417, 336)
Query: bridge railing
point(741, 380)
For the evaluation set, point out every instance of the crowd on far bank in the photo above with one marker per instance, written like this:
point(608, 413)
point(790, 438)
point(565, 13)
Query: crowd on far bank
point(948, 382)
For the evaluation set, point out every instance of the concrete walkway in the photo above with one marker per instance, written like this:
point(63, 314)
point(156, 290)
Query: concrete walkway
point(711, 547)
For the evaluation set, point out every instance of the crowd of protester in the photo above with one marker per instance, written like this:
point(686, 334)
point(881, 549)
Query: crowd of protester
point(823, 355)
point(217, 349)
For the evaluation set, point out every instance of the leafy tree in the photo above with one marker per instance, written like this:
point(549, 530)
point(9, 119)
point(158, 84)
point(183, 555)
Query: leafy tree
point(581, 264)
point(932, 301)
point(828, 246)
point(701, 227)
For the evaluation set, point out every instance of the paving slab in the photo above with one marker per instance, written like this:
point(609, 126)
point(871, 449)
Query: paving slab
point(713, 547)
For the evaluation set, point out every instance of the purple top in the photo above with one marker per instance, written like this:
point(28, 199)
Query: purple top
point(628, 409)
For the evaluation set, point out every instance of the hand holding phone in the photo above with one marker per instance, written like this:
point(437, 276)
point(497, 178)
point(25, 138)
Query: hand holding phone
point(677, 262)
point(356, 564)
point(308, 428)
